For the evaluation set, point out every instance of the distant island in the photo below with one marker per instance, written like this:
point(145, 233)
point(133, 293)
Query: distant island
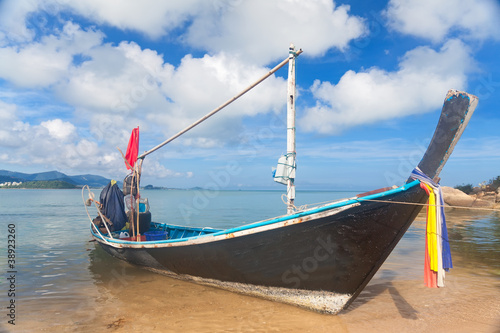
point(59, 180)
point(50, 179)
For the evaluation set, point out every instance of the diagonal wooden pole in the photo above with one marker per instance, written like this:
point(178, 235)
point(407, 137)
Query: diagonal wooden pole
point(271, 72)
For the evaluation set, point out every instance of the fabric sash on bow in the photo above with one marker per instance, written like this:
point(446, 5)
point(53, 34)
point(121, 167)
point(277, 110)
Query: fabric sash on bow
point(437, 246)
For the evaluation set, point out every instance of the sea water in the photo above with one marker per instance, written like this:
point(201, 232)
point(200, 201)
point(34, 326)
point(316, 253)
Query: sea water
point(54, 278)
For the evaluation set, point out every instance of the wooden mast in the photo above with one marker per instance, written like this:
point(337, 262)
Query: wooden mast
point(290, 132)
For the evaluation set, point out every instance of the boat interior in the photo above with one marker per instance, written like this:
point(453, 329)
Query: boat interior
point(163, 231)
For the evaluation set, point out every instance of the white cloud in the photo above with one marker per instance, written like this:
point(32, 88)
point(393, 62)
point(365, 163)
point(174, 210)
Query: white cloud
point(55, 144)
point(198, 85)
point(151, 17)
point(119, 87)
point(261, 30)
point(111, 88)
point(154, 170)
point(117, 79)
point(7, 113)
point(58, 129)
point(12, 19)
point(40, 64)
point(420, 84)
point(435, 20)
point(124, 86)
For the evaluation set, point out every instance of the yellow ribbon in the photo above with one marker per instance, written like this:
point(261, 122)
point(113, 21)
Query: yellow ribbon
point(432, 241)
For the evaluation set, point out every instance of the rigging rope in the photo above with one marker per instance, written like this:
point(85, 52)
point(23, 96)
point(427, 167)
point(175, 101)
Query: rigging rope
point(429, 205)
point(304, 207)
point(90, 200)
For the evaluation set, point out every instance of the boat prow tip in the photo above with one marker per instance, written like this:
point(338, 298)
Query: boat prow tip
point(457, 110)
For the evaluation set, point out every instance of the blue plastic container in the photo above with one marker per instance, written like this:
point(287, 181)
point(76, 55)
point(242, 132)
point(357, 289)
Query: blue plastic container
point(154, 235)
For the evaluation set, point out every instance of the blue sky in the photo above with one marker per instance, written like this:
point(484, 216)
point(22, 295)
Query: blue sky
point(76, 77)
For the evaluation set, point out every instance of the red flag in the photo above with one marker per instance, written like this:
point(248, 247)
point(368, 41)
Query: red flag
point(133, 148)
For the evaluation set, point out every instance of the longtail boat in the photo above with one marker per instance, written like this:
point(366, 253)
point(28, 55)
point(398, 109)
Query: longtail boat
point(319, 258)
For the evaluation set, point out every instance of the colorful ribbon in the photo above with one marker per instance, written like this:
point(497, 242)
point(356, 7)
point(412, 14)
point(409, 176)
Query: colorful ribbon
point(437, 246)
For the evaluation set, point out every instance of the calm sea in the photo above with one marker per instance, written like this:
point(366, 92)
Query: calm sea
point(60, 281)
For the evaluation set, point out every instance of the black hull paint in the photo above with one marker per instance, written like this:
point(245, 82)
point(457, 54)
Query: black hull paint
point(336, 253)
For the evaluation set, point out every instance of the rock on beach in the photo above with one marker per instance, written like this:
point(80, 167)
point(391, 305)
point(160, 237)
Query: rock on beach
point(455, 197)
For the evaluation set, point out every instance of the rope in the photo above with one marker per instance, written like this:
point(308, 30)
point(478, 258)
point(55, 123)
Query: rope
point(422, 204)
point(91, 198)
point(284, 198)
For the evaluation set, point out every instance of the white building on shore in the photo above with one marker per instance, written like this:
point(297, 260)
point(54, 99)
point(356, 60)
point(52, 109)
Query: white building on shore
point(7, 184)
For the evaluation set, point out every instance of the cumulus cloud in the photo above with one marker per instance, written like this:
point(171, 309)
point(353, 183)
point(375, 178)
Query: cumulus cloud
point(420, 84)
point(42, 63)
point(114, 79)
point(12, 20)
point(198, 85)
point(114, 88)
point(110, 88)
point(58, 129)
point(260, 30)
point(435, 20)
point(151, 17)
point(154, 169)
point(52, 142)
point(124, 86)
point(7, 113)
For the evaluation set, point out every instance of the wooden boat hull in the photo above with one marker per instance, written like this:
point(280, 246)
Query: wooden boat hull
point(319, 258)
point(337, 253)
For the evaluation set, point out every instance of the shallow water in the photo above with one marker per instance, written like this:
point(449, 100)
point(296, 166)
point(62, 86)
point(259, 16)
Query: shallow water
point(65, 283)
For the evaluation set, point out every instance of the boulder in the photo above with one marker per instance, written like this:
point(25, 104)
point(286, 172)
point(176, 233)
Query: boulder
point(483, 203)
point(489, 196)
point(454, 197)
point(476, 190)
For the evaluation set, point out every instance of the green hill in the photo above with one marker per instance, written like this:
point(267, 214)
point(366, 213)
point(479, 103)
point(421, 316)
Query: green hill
point(90, 180)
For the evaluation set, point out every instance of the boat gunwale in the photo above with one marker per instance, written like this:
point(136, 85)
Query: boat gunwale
point(116, 242)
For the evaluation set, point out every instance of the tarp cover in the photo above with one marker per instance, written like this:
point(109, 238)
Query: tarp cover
point(111, 199)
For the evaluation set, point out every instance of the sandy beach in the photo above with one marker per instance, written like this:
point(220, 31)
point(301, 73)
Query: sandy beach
point(136, 300)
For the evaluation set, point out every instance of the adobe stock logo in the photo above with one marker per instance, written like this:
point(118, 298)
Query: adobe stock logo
point(301, 272)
